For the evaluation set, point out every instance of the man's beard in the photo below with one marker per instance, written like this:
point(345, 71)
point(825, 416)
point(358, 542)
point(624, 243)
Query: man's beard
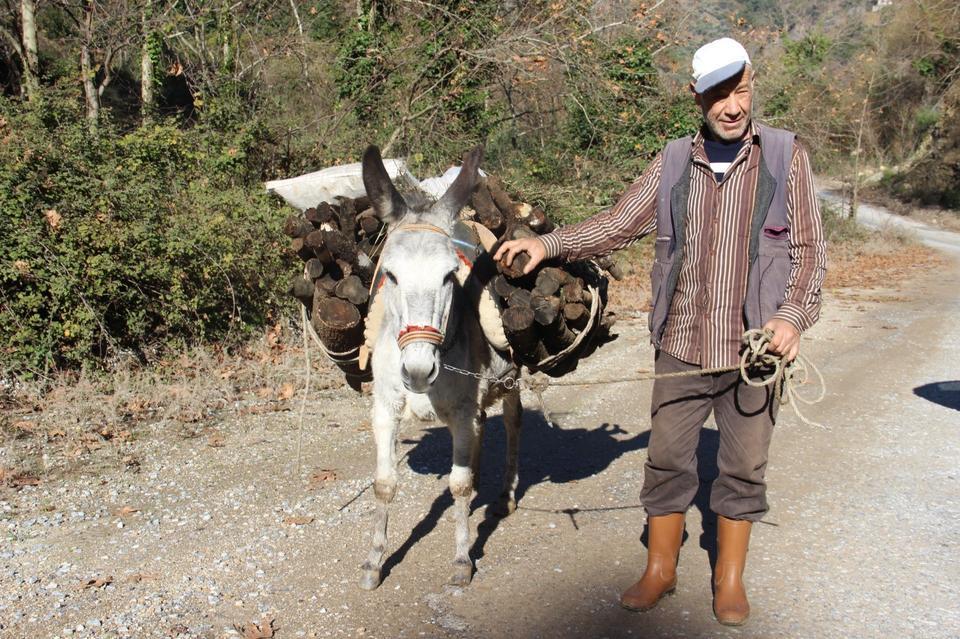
point(722, 135)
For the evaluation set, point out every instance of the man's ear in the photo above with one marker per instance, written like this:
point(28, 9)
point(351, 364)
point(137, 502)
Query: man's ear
point(697, 98)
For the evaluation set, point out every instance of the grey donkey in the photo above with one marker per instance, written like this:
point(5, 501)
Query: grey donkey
point(428, 325)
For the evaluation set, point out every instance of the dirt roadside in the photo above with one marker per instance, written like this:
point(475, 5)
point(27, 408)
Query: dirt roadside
point(200, 539)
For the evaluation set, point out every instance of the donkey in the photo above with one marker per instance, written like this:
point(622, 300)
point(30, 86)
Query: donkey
point(428, 330)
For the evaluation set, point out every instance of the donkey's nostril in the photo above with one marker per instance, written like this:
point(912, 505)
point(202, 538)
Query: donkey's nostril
point(434, 371)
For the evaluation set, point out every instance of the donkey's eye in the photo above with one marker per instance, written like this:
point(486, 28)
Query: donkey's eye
point(390, 276)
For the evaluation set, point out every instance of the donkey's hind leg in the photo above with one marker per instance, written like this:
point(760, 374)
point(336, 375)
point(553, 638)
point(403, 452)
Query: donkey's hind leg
point(465, 440)
point(385, 423)
point(512, 419)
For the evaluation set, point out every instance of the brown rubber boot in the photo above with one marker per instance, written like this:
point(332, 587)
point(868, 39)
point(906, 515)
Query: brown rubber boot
point(660, 577)
point(730, 603)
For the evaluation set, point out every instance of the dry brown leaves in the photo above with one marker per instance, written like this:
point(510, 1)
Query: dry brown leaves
point(321, 477)
point(216, 440)
point(264, 630)
point(298, 520)
point(96, 582)
point(17, 478)
point(53, 218)
point(125, 511)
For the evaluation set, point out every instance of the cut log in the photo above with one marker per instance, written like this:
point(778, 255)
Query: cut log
point(325, 286)
point(302, 289)
point(500, 198)
point(296, 226)
point(342, 247)
point(550, 279)
point(353, 290)
point(558, 335)
point(487, 212)
point(370, 224)
point(572, 291)
point(519, 297)
point(535, 218)
point(323, 213)
point(515, 270)
point(518, 325)
point(313, 268)
point(545, 309)
point(302, 251)
point(348, 218)
point(337, 323)
point(608, 264)
point(502, 287)
point(576, 315)
point(345, 269)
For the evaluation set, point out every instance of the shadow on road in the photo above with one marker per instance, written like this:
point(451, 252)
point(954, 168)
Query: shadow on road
point(943, 393)
point(557, 455)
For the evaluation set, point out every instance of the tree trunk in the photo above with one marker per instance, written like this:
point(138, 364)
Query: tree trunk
point(90, 93)
point(147, 99)
point(31, 62)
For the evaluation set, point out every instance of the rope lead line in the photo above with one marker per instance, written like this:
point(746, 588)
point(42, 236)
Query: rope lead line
point(755, 357)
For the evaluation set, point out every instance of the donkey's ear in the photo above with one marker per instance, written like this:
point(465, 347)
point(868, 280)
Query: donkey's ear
point(384, 196)
point(459, 192)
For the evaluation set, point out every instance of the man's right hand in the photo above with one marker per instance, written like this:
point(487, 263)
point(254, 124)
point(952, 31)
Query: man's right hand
point(529, 245)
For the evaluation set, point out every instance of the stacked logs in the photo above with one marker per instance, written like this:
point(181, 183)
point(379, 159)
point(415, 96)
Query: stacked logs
point(338, 243)
point(543, 313)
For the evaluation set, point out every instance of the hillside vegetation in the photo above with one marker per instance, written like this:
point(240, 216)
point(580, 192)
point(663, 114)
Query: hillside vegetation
point(136, 135)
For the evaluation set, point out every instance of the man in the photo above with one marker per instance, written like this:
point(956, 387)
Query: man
point(739, 245)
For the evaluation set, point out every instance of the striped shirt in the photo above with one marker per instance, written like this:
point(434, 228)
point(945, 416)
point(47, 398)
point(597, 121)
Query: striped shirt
point(705, 322)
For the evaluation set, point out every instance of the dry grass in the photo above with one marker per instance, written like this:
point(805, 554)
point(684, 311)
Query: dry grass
point(82, 419)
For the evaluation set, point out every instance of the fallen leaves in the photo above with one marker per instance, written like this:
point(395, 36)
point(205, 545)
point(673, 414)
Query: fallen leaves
point(96, 582)
point(216, 440)
point(53, 218)
point(286, 391)
point(298, 520)
point(17, 479)
point(125, 511)
point(321, 478)
point(264, 630)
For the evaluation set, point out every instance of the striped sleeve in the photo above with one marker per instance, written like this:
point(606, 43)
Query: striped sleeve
point(808, 254)
point(632, 217)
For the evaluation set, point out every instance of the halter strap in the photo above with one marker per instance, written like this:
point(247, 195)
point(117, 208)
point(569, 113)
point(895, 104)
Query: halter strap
point(420, 226)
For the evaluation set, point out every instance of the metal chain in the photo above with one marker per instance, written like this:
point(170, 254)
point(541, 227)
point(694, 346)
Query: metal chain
point(507, 382)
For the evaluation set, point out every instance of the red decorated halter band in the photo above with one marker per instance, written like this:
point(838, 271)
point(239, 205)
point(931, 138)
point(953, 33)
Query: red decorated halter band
point(413, 334)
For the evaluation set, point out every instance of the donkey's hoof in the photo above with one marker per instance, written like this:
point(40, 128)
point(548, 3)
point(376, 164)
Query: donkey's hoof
point(369, 577)
point(462, 573)
point(503, 507)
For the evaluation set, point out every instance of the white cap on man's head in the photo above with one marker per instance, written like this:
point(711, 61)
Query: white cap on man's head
point(717, 61)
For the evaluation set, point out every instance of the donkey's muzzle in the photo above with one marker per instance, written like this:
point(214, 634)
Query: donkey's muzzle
point(420, 376)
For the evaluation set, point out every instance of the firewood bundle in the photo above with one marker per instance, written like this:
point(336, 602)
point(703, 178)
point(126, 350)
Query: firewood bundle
point(338, 244)
point(545, 313)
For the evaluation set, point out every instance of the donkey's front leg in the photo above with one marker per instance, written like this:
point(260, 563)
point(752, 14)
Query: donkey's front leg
point(385, 422)
point(465, 440)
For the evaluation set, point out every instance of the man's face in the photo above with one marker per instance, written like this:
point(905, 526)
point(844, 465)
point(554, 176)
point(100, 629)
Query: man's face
point(727, 106)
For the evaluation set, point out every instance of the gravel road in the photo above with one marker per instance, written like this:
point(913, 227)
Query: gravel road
point(862, 540)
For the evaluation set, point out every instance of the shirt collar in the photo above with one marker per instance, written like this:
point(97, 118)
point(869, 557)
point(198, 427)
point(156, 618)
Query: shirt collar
point(700, 154)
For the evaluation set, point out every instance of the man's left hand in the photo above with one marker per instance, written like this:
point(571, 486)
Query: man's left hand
point(785, 340)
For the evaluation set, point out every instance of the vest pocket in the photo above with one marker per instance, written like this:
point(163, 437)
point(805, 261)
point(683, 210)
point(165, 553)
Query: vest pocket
point(774, 266)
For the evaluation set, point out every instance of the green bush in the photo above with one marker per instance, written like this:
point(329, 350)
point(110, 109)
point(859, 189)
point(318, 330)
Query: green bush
point(128, 243)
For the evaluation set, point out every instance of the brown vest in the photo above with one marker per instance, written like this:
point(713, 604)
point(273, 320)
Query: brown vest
point(769, 257)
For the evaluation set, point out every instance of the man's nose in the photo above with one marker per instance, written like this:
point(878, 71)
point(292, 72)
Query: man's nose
point(731, 106)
